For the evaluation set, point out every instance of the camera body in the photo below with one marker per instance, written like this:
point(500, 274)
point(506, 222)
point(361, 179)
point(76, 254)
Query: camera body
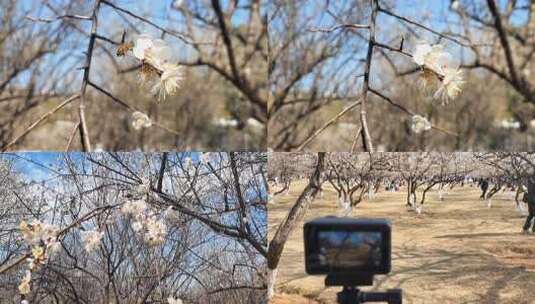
point(350, 251)
point(347, 246)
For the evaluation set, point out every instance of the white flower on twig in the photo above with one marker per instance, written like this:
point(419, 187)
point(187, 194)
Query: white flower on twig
point(438, 64)
point(141, 120)
point(156, 231)
point(134, 207)
point(37, 233)
point(205, 157)
point(451, 85)
point(420, 124)
point(142, 44)
point(91, 239)
point(420, 53)
point(158, 54)
point(157, 69)
point(169, 83)
point(24, 286)
point(137, 226)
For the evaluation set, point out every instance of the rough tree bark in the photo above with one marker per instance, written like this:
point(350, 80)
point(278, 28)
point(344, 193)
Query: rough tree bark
point(295, 214)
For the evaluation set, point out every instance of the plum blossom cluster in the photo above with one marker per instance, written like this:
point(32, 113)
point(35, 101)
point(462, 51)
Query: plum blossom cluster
point(140, 121)
point(158, 72)
point(146, 224)
point(91, 239)
point(420, 124)
point(42, 239)
point(439, 70)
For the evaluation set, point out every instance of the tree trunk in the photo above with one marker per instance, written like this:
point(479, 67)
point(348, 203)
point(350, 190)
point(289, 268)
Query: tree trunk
point(295, 214)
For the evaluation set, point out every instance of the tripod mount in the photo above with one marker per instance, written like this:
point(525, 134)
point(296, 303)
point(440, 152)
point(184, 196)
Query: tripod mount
point(351, 294)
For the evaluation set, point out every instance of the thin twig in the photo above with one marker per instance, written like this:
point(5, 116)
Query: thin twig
point(409, 112)
point(84, 133)
point(356, 140)
point(38, 121)
point(49, 20)
point(366, 138)
point(130, 107)
point(172, 33)
point(71, 138)
point(338, 27)
point(328, 123)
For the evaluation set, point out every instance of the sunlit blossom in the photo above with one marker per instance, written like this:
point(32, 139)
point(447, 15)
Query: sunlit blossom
point(91, 239)
point(169, 83)
point(451, 86)
point(140, 120)
point(420, 124)
point(156, 231)
point(134, 207)
point(141, 46)
point(439, 68)
point(24, 286)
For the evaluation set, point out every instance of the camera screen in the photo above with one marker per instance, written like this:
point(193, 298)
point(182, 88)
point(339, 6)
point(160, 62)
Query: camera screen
point(349, 249)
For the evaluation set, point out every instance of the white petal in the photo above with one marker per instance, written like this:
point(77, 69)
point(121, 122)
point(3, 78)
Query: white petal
point(143, 43)
point(421, 52)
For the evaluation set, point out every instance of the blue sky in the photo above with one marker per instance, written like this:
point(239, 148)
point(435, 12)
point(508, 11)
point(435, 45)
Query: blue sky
point(35, 166)
point(436, 13)
point(111, 24)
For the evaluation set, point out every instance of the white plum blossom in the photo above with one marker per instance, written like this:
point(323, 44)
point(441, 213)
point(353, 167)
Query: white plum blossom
point(36, 232)
point(137, 226)
point(255, 124)
point(91, 239)
point(151, 229)
point(205, 157)
point(438, 64)
point(144, 187)
point(451, 85)
point(420, 124)
point(163, 76)
point(155, 52)
point(169, 82)
point(420, 53)
point(134, 207)
point(156, 231)
point(24, 286)
point(158, 54)
point(170, 213)
point(42, 239)
point(142, 44)
point(140, 120)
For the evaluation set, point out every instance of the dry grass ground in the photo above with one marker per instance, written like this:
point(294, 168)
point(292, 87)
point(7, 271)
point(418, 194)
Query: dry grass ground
point(457, 251)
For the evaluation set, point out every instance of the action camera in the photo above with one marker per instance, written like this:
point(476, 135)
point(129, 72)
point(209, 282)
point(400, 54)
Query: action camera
point(350, 251)
point(344, 245)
